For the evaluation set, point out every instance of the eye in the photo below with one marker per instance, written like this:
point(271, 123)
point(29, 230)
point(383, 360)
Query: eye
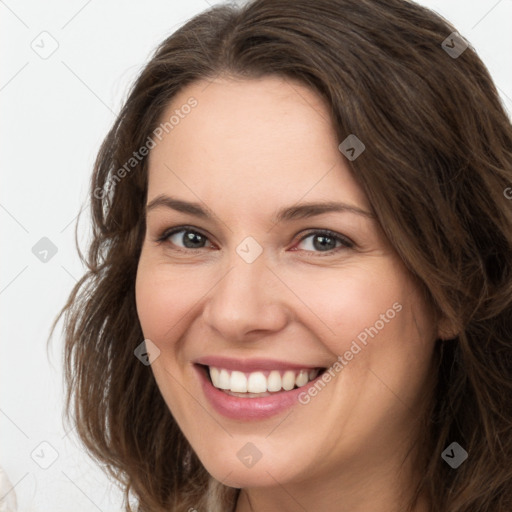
point(185, 238)
point(324, 241)
point(320, 241)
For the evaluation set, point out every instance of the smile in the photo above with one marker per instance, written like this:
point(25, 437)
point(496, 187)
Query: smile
point(253, 389)
point(260, 383)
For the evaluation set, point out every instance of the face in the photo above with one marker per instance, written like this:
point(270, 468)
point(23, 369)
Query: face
point(263, 272)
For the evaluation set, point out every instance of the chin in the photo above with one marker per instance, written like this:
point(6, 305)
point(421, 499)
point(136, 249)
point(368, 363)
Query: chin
point(233, 472)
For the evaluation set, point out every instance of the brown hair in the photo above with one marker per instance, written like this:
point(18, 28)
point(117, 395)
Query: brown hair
point(437, 161)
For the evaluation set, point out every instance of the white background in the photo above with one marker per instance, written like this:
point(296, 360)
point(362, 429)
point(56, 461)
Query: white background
point(55, 113)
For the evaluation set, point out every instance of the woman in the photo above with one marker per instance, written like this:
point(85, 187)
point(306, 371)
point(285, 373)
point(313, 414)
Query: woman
point(299, 287)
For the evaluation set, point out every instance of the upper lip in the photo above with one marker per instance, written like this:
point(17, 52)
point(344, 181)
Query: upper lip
point(251, 365)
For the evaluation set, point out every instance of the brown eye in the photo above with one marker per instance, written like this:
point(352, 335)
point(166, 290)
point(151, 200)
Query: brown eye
point(186, 238)
point(323, 241)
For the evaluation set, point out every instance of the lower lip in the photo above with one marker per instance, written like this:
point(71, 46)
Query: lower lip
point(249, 408)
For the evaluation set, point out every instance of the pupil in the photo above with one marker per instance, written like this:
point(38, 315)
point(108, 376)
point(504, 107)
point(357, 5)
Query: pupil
point(192, 240)
point(325, 242)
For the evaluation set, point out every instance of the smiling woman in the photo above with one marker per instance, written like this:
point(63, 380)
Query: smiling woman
point(300, 297)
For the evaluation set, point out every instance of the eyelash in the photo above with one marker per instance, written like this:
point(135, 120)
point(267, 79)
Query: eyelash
point(346, 243)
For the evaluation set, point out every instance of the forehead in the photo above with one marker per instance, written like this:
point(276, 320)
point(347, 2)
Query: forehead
point(252, 140)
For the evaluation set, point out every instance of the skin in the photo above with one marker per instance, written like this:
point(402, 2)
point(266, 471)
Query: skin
point(250, 148)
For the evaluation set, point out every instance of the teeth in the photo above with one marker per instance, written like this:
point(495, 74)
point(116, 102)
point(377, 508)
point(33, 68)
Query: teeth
point(224, 380)
point(274, 382)
point(288, 380)
point(302, 378)
point(215, 376)
point(259, 383)
point(238, 382)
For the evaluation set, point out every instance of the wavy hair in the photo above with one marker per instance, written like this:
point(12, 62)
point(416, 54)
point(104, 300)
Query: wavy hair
point(436, 168)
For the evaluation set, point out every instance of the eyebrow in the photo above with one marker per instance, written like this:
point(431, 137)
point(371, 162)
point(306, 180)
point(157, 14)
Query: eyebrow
point(298, 211)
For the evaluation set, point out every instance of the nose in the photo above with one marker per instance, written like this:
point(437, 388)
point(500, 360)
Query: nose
point(247, 301)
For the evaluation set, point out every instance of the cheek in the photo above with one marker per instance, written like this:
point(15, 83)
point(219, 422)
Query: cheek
point(348, 302)
point(165, 296)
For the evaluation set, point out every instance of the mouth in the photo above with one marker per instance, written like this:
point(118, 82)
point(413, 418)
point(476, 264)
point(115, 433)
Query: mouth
point(254, 389)
point(261, 383)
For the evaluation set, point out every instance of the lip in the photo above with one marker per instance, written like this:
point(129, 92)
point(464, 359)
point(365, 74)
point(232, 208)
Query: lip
point(250, 365)
point(249, 409)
